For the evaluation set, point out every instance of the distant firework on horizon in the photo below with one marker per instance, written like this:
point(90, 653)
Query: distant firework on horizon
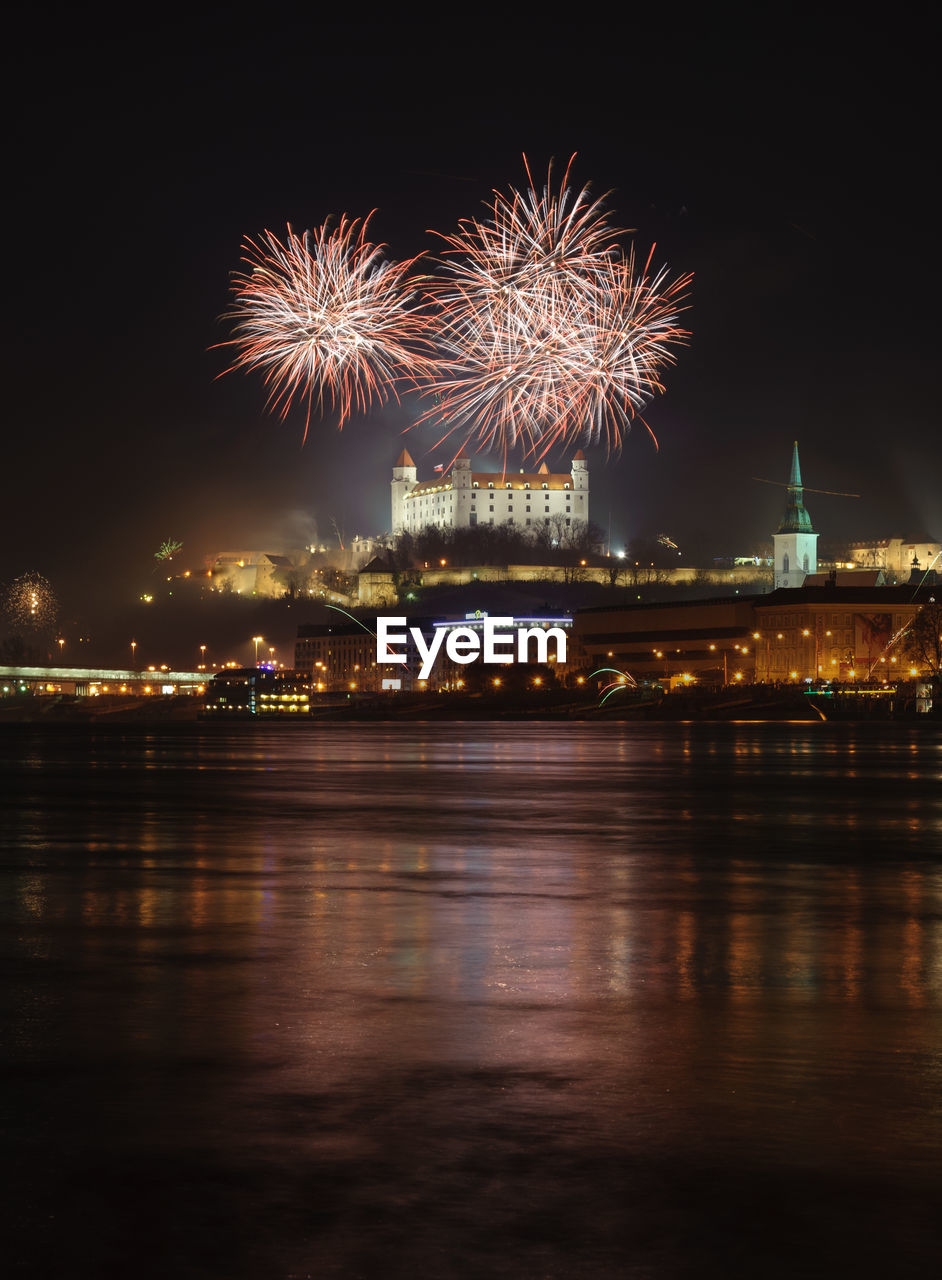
point(30, 604)
point(325, 316)
point(537, 332)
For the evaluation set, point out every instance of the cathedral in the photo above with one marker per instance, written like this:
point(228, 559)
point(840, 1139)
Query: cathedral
point(463, 498)
point(795, 541)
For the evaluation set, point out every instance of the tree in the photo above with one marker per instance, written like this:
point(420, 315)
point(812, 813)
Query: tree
point(922, 643)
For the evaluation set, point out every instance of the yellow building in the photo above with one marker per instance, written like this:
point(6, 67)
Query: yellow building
point(793, 635)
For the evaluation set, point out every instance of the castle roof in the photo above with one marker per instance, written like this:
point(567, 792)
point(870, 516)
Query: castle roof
point(404, 459)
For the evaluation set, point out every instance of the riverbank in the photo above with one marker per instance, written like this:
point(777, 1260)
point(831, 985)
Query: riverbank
point(759, 702)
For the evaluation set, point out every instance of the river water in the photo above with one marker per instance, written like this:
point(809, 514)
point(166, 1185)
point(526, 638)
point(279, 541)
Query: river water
point(515, 1000)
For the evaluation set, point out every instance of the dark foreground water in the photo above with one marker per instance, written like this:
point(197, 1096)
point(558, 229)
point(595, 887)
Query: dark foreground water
point(472, 1000)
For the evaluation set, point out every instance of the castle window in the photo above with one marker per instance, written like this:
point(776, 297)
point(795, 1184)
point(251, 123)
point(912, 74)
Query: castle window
point(527, 484)
point(475, 485)
point(508, 485)
point(528, 506)
point(545, 485)
point(565, 486)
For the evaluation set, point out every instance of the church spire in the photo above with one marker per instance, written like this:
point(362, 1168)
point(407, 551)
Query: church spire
point(794, 480)
point(796, 519)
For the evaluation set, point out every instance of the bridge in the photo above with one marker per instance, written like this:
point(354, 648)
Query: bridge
point(93, 681)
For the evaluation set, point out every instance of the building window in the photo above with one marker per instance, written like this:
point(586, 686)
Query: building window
point(491, 508)
point(545, 485)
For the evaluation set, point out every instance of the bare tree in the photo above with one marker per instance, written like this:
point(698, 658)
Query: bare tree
point(922, 642)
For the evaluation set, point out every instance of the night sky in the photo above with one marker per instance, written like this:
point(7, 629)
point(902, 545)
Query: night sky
point(792, 174)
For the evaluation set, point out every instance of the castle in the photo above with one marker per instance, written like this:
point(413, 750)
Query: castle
point(463, 498)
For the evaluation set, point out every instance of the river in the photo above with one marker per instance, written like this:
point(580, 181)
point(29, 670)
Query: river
point(489, 999)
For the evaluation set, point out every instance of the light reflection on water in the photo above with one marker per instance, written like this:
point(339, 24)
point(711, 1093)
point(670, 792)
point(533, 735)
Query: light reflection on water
point(382, 992)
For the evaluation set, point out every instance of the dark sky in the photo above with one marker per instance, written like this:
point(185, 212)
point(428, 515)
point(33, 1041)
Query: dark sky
point(791, 173)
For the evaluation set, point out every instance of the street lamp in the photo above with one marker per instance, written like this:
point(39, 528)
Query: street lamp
point(257, 640)
point(133, 647)
point(202, 657)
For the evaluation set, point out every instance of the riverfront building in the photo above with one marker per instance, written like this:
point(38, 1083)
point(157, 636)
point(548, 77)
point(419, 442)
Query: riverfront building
point(814, 632)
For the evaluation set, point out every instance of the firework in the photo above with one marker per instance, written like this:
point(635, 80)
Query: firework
point(326, 317)
point(625, 680)
point(30, 605)
point(548, 334)
point(167, 549)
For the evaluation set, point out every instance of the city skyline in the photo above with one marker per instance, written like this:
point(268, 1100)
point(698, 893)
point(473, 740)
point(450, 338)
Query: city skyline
point(786, 185)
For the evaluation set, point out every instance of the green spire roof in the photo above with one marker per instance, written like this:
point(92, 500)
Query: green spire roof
point(796, 518)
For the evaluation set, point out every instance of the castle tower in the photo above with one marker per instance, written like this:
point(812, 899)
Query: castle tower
point(405, 476)
point(795, 542)
point(580, 485)
point(463, 492)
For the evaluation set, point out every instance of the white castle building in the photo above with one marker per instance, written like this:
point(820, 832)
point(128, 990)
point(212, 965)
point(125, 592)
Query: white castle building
point(463, 498)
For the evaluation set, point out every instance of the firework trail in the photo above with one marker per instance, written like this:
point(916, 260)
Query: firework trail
point(326, 317)
point(625, 681)
point(547, 333)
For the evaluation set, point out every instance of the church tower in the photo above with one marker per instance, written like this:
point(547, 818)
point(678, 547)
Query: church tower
point(795, 542)
point(405, 476)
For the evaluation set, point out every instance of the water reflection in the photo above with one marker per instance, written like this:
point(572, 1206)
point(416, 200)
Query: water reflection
point(387, 987)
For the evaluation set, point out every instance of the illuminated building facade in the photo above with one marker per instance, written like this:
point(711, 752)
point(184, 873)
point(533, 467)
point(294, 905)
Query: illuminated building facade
point(338, 656)
point(793, 635)
point(897, 555)
point(462, 498)
point(342, 657)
